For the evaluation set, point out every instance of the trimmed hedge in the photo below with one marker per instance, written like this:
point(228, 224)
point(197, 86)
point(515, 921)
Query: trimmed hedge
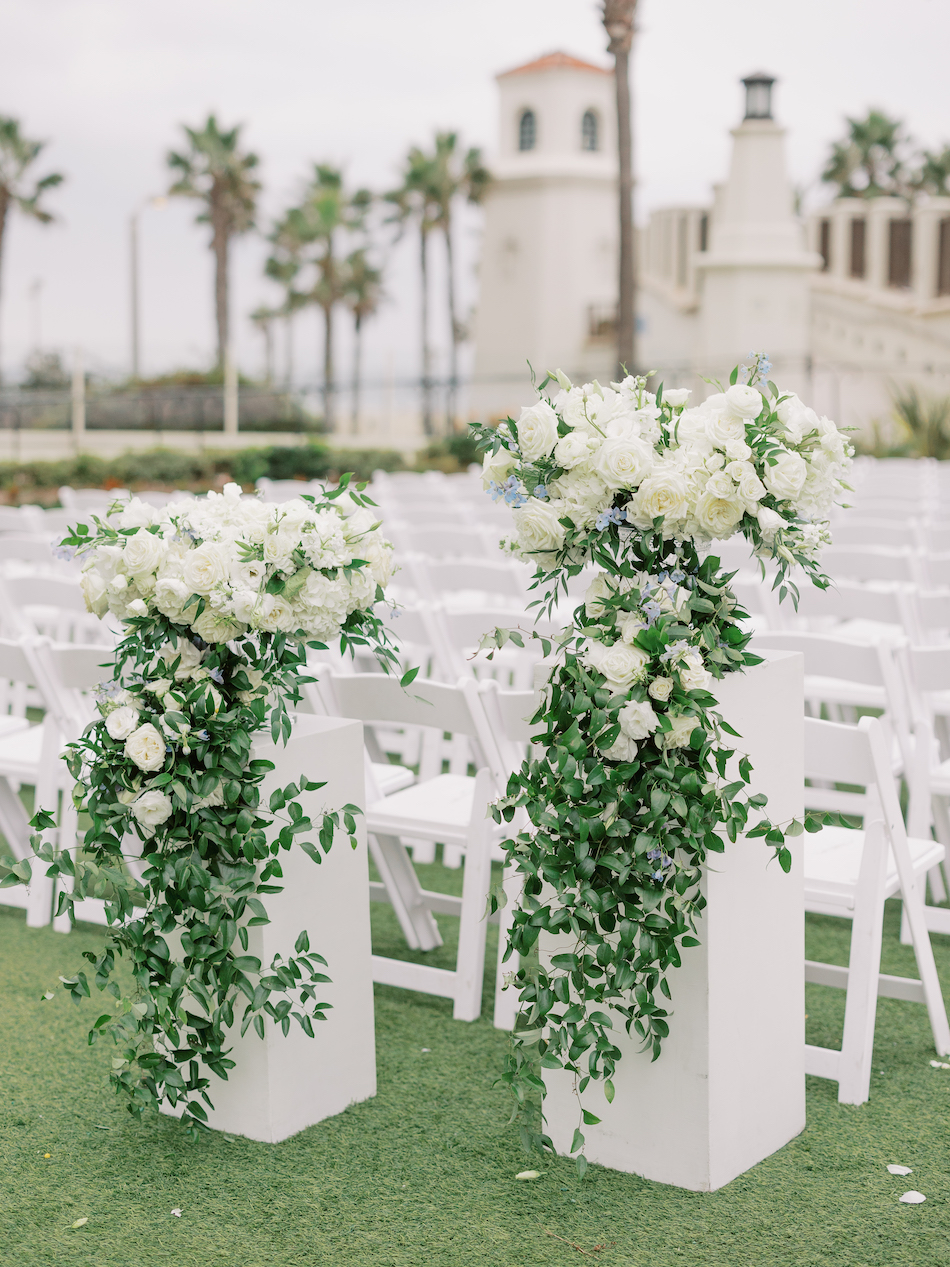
point(171, 468)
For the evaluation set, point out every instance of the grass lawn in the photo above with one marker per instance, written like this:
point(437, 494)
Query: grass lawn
point(424, 1173)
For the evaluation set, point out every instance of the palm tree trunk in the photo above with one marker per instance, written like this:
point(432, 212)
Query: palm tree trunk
point(426, 351)
point(618, 18)
point(219, 244)
point(4, 206)
point(329, 402)
point(450, 419)
point(626, 314)
point(357, 372)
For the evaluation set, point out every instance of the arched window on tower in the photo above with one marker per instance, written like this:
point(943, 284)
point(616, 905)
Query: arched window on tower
point(527, 130)
point(589, 138)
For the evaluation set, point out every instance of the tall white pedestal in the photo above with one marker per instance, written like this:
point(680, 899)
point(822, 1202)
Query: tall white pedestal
point(281, 1085)
point(729, 1086)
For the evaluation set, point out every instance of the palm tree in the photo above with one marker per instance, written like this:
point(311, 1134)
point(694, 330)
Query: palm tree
point(328, 210)
point(450, 180)
point(868, 163)
point(618, 18)
point(17, 189)
point(415, 200)
point(362, 289)
point(215, 170)
point(934, 174)
point(289, 237)
point(263, 318)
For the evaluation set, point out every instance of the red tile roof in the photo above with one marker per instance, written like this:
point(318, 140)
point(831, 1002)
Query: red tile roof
point(555, 61)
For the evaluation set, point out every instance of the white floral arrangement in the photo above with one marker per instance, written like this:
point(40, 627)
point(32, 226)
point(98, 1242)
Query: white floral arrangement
point(220, 598)
point(750, 461)
point(226, 565)
point(630, 794)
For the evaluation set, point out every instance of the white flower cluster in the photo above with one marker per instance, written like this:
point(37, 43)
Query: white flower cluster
point(293, 567)
point(740, 461)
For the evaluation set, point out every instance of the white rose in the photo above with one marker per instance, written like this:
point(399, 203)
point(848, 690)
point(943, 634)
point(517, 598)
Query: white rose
point(749, 488)
point(678, 737)
point(744, 401)
point(170, 597)
point(537, 527)
point(738, 451)
point(146, 747)
point(720, 485)
point(637, 719)
point(622, 665)
point(660, 688)
point(663, 493)
point(573, 449)
point(137, 514)
point(187, 653)
point(152, 808)
point(143, 553)
point(122, 721)
point(599, 589)
point(786, 477)
point(624, 463)
point(690, 429)
point(215, 797)
point(693, 673)
point(629, 624)
point(769, 522)
point(213, 626)
point(622, 749)
point(718, 516)
point(136, 608)
point(496, 467)
point(94, 593)
point(537, 431)
point(205, 567)
point(725, 429)
point(676, 397)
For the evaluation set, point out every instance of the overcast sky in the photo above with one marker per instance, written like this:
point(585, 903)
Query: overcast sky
point(109, 82)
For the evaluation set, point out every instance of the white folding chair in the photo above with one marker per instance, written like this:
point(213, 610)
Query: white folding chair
point(870, 563)
point(443, 540)
point(448, 808)
point(436, 578)
point(51, 606)
point(91, 499)
point(864, 612)
point(850, 873)
point(850, 530)
point(286, 490)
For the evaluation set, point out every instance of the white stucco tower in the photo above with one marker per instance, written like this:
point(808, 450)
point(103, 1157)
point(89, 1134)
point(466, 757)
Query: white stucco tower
point(755, 287)
point(548, 288)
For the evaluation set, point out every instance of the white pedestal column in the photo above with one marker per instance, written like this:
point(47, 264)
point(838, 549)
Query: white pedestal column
point(729, 1086)
point(281, 1085)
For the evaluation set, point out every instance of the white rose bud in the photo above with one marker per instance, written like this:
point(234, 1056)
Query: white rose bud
point(678, 737)
point(122, 721)
point(744, 401)
point(622, 749)
point(137, 608)
point(660, 689)
point(146, 747)
point(94, 593)
point(769, 522)
point(496, 467)
point(152, 808)
point(637, 719)
point(676, 397)
point(537, 431)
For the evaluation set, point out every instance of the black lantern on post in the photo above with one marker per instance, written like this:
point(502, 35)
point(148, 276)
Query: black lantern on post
point(758, 95)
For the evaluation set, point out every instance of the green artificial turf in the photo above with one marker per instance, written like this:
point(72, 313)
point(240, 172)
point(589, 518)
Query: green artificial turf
point(424, 1173)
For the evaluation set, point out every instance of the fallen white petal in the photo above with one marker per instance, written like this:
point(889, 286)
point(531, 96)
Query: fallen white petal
point(899, 1170)
point(913, 1198)
point(939, 1064)
point(177, 1212)
point(529, 1174)
point(79, 1223)
point(429, 1049)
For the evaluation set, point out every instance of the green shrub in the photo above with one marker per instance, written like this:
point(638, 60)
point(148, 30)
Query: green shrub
point(450, 454)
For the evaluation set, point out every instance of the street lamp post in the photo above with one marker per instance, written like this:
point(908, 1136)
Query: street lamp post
point(158, 200)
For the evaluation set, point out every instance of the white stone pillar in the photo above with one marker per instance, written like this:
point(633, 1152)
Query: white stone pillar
point(282, 1084)
point(729, 1086)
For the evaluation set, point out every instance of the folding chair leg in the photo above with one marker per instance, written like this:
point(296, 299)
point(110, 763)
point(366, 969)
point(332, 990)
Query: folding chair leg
point(924, 954)
point(13, 821)
point(506, 1001)
point(473, 925)
point(864, 967)
point(68, 833)
point(402, 884)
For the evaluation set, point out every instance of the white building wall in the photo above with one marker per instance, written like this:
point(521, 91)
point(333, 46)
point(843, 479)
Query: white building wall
point(550, 241)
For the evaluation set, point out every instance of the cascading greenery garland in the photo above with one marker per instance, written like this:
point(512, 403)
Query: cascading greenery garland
point(630, 791)
point(167, 777)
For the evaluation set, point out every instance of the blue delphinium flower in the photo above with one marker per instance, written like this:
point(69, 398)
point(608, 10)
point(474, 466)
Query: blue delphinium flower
point(541, 492)
point(652, 611)
point(216, 676)
point(512, 491)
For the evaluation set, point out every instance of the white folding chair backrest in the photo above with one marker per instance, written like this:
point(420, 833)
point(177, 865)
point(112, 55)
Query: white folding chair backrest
point(879, 609)
point(852, 531)
point(73, 499)
point(509, 714)
point(287, 490)
point(444, 540)
point(435, 577)
point(871, 668)
point(931, 614)
point(880, 564)
point(68, 672)
point(27, 548)
point(835, 753)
